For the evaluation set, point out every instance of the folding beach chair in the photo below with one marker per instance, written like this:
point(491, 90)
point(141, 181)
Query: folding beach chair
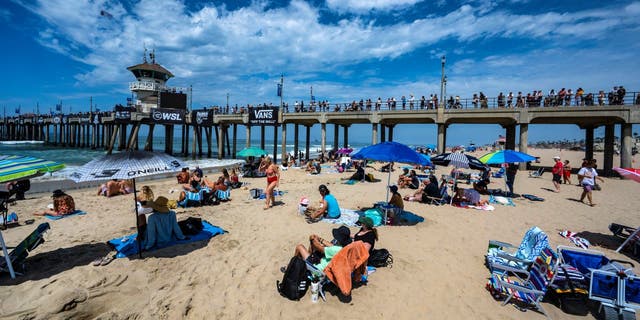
point(224, 195)
point(18, 255)
point(503, 253)
point(536, 174)
point(444, 196)
point(525, 287)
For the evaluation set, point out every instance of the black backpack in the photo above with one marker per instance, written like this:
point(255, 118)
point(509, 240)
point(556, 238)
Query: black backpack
point(380, 258)
point(210, 198)
point(294, 283)
point(191, 226)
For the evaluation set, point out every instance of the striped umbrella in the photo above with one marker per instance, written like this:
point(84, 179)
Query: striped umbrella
point(14, 168)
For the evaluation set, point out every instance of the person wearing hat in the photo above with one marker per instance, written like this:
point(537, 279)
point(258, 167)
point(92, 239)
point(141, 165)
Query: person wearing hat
point(367, 233)
point(328, 206)
point(162, 224)
point(63, 204)
point(557, 171)
point(328, 249)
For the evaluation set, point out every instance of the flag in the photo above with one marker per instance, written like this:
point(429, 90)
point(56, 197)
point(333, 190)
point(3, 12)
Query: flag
point(58, 107)
point(18, 110)
point(313, 98)
point(279, 89)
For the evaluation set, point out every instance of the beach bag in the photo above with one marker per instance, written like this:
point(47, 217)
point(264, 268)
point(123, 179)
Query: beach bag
point(294, 283)
point(210, 198)
point(571, 295)
point(255, 193)
point(375, 215)
point(191, 226)
point(380, 258)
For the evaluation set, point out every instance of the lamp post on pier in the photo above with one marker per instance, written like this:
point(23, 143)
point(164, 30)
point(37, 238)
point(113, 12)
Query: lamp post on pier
point(442, 82)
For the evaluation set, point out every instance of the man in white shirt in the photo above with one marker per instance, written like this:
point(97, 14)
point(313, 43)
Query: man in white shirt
point(588, 176)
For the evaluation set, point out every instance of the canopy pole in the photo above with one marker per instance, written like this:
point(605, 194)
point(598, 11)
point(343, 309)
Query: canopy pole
point(6, 257)
point(135, 203)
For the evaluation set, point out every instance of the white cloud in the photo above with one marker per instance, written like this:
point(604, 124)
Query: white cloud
point(360, 6)
point(218, 50)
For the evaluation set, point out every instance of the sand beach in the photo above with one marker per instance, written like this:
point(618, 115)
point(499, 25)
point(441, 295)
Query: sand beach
point(438, 270)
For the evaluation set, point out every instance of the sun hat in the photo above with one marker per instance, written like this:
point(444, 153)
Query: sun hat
point(342, 235)
point(160, 204)
point(304, 201)
point(366, 221)
point(556, 157)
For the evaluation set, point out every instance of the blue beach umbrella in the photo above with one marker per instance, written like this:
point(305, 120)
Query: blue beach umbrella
point(391, 152)
point(506, 156)
point(251, 152)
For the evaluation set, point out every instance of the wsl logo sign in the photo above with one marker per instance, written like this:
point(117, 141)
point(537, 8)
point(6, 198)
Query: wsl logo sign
point(170, 116)
point(263, 116)
point(202, 117)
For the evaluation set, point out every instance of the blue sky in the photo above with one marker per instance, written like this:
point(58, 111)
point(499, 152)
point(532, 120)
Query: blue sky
point(58, 50)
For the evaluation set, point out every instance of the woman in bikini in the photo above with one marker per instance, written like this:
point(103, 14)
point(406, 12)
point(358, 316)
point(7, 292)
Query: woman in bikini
point(273, 180)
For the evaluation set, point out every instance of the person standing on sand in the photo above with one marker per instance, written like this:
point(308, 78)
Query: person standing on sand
point(557, 173)
point(566, 175)
point(512, 170)
point(589, 176)
point(273, 180)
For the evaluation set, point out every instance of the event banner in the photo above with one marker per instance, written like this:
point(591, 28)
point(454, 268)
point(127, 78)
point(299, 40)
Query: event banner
point(122, 116)
point(202, 117)
point(167, 116)
point(263, 116)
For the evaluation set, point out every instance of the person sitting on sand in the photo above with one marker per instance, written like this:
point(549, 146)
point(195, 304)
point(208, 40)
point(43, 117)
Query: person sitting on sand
point(63, 204)
point(396, 198)
point(126, 186)
point(328, 206)
point(367, 233)
point(162, 224)
point(358, 175)
point(195, 183)
point(183, 176)
point(481, 186)
point(326, 249)
point(403, 175)
point(109, 189)
point(467, 197)
point(235, 181)
point(411, 182)
point(311, 167)
point(431, 189)
point(145, 195)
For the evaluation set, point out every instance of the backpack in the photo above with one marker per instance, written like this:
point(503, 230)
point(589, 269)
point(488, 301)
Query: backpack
point(191, 226)
point(294, 283)
point(210, 198)
point(380, 258)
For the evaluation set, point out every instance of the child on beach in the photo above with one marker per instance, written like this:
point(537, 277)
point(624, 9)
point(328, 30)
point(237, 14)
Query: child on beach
point(566, 176)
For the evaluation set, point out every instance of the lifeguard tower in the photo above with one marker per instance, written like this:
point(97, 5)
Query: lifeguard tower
point(151, 83)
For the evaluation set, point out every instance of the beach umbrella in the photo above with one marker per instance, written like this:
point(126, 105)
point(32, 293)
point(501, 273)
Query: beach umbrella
point(458, 160)
point(629, 173)
point(344, 151)
point(127, 165)
point(251, 152)
point(427, 158)
point(506, 156)
point(14, 168)
point(390, 152)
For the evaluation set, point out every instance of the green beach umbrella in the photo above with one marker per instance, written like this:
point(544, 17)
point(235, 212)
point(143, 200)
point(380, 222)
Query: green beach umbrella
point(14, 168)
point(251, 152)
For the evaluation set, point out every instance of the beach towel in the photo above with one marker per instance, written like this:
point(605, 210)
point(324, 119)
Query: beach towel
point(276, 193)
point(351, 259)
point(575, 239)
point(532, 197)
point(347, 217)
point(501, 200)
point(350, 182)
point(128, 245)
point(75, 213)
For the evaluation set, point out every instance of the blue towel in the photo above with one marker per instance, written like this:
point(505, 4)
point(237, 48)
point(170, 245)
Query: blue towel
point(406, 218)
point(75, 213)
point(127, 245)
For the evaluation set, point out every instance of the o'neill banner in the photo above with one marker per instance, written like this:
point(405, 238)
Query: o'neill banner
point(202, 117)
point(263, 116)
point(169, 116)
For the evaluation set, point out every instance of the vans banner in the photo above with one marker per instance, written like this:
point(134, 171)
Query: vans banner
point(202, 117)
point(168, 116)
point(263, 116)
